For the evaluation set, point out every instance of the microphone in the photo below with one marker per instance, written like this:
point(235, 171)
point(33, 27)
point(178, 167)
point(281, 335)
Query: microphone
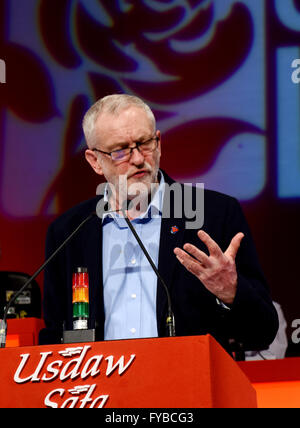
point(170, 321)
point(3, 323)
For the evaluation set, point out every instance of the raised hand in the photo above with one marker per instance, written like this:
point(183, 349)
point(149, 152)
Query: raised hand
point(217, 271)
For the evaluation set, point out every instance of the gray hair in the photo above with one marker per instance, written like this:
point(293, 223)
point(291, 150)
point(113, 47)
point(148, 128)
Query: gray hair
point(112, 104)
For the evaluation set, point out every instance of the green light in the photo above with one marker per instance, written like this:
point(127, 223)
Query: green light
point(80, 310)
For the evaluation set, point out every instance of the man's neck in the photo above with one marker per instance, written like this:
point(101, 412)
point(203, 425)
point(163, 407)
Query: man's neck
point(134, 206)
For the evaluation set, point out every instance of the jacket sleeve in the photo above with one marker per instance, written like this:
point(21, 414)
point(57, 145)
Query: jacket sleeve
point(253, 319)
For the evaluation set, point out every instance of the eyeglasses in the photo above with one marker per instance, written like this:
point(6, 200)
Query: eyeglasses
point(123, 155)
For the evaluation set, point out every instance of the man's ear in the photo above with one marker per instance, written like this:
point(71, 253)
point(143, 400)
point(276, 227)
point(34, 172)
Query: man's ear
point(158, 134)
point(92, 159)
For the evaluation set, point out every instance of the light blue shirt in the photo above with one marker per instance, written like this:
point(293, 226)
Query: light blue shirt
point(129, 282)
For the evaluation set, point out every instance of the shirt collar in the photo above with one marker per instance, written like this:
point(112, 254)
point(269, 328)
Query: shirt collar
point(154, 209)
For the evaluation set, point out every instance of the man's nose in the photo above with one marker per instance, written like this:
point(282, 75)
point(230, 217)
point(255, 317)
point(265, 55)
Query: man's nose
point(137, 157)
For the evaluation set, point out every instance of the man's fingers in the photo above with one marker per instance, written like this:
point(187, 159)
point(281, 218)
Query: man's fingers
point(196, 261)
point(188, 262)
point(234, 245)
point(213, 247)
point(198, 254)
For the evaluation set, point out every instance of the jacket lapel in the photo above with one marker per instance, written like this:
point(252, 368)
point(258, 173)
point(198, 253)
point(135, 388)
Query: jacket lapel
point(92, 242)
point(171, 236)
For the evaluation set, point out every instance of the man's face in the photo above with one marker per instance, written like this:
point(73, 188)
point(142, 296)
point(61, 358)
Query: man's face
point(118, 132)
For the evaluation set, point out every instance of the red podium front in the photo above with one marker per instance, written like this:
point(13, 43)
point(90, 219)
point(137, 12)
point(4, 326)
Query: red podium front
point(181, 372)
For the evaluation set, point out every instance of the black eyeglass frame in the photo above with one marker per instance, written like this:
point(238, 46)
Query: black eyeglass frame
point(137, 146)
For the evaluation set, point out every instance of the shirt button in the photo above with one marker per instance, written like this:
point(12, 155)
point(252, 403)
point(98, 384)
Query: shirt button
point(133, 296)
point(133, 261)
point(133, 330)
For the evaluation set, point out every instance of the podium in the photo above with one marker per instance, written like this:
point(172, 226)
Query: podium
point(180, 372)
point(23, 332)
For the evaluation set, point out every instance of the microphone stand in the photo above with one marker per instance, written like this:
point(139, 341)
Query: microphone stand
point(3, 323)
point(170, 321)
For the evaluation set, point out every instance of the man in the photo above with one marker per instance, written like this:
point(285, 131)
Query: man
point(213, 276)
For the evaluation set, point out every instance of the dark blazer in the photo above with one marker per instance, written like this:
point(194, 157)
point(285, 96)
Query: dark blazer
point(251, 321)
